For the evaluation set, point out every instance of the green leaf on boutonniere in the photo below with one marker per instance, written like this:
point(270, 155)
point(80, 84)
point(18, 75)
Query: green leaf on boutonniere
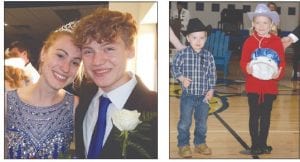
point(140, 136)
point(139, 149)
point(148, 116)
point(143, 126)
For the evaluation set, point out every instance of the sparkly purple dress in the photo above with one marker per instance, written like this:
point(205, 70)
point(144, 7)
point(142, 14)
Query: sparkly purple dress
point(38, 132)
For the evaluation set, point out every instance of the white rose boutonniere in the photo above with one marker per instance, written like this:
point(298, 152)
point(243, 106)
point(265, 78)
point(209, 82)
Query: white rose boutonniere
point(125, 121)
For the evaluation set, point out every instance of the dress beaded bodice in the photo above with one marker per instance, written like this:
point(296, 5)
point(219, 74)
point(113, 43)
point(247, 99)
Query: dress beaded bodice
point(38, 132)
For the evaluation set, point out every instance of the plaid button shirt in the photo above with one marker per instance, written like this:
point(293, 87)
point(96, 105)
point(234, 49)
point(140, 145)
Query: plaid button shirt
point(199, 67)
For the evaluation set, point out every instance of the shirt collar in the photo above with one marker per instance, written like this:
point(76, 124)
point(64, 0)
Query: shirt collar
point(194, 52)
point(119, 96)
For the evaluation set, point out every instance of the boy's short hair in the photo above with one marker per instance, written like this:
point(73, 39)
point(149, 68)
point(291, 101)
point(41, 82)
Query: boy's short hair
point(18, 44)
point(272, 3)
point(21, 46)
point(104, 25)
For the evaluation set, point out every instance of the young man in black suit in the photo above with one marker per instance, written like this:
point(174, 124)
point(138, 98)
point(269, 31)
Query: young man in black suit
point(106, 39)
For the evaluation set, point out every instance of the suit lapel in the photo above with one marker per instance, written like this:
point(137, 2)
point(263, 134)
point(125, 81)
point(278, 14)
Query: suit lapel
point(86, 95)
point(138, 99)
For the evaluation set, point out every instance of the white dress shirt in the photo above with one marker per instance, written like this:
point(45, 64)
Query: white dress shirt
point(118, 98)
point(293, 37)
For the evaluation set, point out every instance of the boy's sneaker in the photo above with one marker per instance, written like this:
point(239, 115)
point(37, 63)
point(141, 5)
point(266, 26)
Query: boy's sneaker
point(185, 152)
point(203, 149)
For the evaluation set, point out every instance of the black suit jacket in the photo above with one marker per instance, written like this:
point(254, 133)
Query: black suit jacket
point(142, 100)
point(297, 44)
point(297, 31)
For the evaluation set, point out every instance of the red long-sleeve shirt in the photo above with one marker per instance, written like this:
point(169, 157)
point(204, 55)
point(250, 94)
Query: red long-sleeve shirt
point(254, 85)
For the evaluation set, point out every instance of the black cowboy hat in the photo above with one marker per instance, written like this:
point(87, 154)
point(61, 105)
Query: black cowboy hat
point(195, 25)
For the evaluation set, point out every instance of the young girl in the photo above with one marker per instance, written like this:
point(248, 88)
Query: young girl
point(262, 92)
point(39, 117)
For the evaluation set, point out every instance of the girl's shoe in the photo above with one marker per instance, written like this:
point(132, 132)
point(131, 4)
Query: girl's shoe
point(267, 149)
point(256, 151)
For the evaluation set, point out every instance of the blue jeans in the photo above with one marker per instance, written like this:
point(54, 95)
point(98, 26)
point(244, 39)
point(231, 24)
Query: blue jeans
point(188, 104)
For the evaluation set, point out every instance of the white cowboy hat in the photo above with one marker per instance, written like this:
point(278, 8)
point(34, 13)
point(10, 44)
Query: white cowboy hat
point(264, 63)
point(263, 10)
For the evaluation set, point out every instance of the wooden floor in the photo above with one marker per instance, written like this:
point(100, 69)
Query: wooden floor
point(284, 129)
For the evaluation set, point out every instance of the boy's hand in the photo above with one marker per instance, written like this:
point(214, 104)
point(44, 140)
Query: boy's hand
point(276, 75)
point(249, 69)
point(185, 81)
point(209, 95)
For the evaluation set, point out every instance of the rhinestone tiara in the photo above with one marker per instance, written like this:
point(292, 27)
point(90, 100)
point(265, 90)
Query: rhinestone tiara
point(69, 27)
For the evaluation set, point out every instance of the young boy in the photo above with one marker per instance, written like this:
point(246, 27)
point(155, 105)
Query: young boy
point(195, 68)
